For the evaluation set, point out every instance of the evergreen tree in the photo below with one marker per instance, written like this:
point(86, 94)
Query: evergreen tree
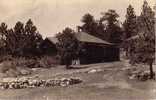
point(89, 25)
point(113, 29)
point(3, 32)
point(130, 24)
point(148, 14)
point(22, 40)
point(130, 29)
point(145, 46)
point(32, 38)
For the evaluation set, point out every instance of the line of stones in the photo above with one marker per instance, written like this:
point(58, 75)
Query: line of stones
point(29, 83)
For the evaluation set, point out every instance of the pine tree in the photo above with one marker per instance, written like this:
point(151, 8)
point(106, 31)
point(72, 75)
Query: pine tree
point(130, 24)
point(3, 32)
point(113, 29)
point(90, 25)
point(130, 29)
point(145, 46)
point(22, 40)
point(32, 38)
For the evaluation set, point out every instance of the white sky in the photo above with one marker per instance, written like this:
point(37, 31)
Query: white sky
point(51, 16)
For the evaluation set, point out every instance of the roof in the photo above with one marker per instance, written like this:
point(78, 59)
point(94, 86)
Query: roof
point(52, 39)
point(85, 37)
point(135, 37)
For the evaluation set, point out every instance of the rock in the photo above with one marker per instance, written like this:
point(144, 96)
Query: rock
point(94, 70)
point(25, 72)
point(25, 82)
point(8, 80)
point(75, 81)
point(65, 82)
point(5, 86)
point(132, 77)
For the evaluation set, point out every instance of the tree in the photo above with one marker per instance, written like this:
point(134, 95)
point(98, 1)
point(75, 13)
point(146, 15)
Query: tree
point(68, 46)
point(145, 46)
point(89, 22)
point(3, 31)
point(113, 29)
point(130, 24)
point(22, 40)
point(17, 39)
point(130, 28)
point(32, 38)
point(90, 25)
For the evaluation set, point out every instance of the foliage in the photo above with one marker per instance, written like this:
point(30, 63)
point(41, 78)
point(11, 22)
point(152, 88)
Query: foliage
point(144, 51)
point(93, 27)
point(3, 31)
point(68, 44)
point(130, 29)
point(22, 40)
point(110, 16)
point(106, 28)
point(130, 24)
point(90, 25)
point(113, 29)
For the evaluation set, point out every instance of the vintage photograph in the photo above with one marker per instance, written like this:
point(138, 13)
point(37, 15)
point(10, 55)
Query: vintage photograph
point(77, 50)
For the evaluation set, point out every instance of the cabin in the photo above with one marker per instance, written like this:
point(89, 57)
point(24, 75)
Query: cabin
point(95, 50)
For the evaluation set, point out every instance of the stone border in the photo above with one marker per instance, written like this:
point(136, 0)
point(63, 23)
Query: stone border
point(20, 83)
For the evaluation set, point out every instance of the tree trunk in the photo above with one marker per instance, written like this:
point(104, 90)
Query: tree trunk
point(151, 71)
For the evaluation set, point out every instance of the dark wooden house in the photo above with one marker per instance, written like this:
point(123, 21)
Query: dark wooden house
point(95, 50)
point(48, 46)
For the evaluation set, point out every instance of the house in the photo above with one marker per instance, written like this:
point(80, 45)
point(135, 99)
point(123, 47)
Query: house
point(48, 46)
point(95, 50)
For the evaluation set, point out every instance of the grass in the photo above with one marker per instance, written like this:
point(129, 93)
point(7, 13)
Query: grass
point(95, 86)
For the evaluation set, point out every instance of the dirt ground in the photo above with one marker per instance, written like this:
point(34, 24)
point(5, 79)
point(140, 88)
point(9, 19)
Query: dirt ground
point(105, 81)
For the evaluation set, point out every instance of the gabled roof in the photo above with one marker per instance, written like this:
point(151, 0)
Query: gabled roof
point(53, 39)
point(85, 37)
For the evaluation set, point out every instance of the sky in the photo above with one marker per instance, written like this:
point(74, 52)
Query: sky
point(52, 16)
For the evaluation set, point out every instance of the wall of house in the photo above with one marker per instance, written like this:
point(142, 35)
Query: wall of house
point(97, 54)
point(48, 48)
